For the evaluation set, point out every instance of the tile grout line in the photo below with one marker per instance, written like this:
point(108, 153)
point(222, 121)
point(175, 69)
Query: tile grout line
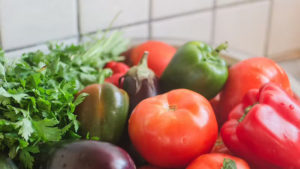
point(40, 43)
point(150, 19)
point(203, 10)
point(79, 37)
point(213, 23)
point(239, 3)
point(182, 14)
point(118, 27)
point(74, 36)
point(269, 28)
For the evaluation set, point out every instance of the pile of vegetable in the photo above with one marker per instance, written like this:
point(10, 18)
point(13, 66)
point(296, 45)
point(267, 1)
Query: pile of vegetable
point(88, 107)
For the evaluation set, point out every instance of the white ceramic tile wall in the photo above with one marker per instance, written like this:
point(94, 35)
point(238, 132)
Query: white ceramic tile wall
point(136, 32)
point(244, 23)
point(243, 26)
point(33, 21)
point(285, 28)
point(192, 27)
point(226, 2)
point(98, 14)
point(162, 8)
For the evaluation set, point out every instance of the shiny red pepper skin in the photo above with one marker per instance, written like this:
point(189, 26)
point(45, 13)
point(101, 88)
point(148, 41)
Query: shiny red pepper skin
point(269, 135)
point(119, 69)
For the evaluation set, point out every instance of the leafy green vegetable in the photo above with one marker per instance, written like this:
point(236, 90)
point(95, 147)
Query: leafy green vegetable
point(37, 93)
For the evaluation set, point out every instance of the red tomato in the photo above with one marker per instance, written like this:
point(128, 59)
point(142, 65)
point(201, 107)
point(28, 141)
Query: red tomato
point(160, 54)
point(127, 59)
point(172, 129)
point(249, 74)
point(215, 161)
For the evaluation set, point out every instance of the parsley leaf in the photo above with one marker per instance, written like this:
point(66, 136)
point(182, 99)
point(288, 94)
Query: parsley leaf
point(47, 131)
point(26, 158)
point(25, 128)
point(80, 98)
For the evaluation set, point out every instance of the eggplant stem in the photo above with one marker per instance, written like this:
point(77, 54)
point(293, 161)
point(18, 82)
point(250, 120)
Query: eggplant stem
point(144, 60)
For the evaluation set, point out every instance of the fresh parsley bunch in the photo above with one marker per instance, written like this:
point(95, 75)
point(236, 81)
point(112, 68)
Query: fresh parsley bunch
point(37, 93)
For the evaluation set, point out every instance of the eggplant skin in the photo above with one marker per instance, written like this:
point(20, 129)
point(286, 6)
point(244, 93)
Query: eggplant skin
point(139, 90)
point(140, 83)
point(90, 155)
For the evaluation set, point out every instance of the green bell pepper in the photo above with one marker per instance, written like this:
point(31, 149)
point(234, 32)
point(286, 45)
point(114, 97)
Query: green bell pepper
point(103, 113)
point(198, 67)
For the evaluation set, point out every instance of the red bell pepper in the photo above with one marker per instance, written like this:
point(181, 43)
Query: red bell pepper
point(264, 129)
point(119, 69)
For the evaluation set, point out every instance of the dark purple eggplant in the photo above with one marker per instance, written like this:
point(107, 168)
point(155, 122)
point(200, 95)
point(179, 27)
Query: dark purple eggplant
point(140, 83)
point(90, 155)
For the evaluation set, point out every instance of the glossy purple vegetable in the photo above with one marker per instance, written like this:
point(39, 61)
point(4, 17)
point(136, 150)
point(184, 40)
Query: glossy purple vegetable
point(140, 83)
point(90, 155)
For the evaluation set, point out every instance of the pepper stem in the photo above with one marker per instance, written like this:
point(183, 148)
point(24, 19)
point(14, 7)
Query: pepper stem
point(221, 47)
point(247, 109)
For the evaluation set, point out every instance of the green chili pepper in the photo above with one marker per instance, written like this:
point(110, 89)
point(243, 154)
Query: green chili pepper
point(198, 67)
